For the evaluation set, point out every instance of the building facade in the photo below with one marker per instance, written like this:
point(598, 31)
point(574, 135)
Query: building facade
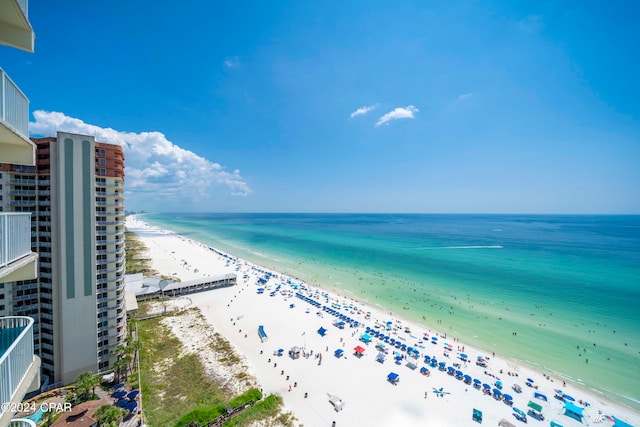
point(75, 194)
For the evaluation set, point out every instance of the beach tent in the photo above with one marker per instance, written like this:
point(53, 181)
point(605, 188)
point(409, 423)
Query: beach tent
point(322, 331)
point(477, 415)
point(619, 423)
point(573, 411)
point(540, 396)
point(535, 410)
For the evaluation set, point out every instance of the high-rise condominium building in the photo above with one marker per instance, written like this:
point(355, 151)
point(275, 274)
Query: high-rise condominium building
point(75, 194)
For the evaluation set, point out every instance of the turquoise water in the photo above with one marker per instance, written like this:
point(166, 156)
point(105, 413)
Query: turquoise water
point(561, 293)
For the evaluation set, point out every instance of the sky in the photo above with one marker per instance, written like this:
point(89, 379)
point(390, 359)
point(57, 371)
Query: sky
point(376, 106)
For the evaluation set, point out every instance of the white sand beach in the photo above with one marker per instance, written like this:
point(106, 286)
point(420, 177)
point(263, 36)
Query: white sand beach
point(307, 383)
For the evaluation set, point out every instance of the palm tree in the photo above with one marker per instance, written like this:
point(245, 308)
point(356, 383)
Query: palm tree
point(84, 382)
point(108, 416)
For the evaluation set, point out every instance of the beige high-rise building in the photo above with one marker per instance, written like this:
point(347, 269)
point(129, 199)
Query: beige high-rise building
point(76, 196)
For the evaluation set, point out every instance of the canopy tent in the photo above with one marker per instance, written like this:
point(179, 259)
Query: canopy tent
point(359, 350)
point(477, 415)
point(540, 396)
point(120, 394)
point(573, 411)
point(322, 331)
point(424, 371)
point(617, 422)
point(534, 406)
point(338, 352)
point(380, 357)
point(393, 377)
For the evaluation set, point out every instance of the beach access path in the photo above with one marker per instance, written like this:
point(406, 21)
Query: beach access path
point(306, 384)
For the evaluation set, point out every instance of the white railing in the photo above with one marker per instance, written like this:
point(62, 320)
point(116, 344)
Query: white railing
point(16, 357)
point(14, 105)
point(15, 236)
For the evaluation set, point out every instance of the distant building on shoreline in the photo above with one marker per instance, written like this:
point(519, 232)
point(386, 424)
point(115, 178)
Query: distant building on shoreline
point(75, 194)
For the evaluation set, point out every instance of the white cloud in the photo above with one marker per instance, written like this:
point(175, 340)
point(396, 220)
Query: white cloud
point(232, 62)
point(363, 110)
point(464, 96)
point(156, 169)
point(399, 113)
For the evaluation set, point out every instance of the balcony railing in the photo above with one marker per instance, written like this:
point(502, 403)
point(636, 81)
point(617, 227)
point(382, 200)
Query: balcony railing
point(15, 237)
point(14, 106)
point(16, 355)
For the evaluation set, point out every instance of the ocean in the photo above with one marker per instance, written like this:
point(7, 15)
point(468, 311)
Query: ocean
point(558, 292)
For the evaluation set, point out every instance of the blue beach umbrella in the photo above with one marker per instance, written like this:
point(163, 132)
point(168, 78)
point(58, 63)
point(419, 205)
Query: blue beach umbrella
point(117, 386)
point(507, 397)
point(487, 386)
point(567, 397)
point(122, 403)
point(477, 381)
point(133, 394)
point(120, 394)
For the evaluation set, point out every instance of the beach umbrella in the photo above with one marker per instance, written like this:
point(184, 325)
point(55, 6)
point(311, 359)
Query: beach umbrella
point(497, 392)
point(117, 386)
point(467, 377)
point(477, 381)
point(507, 397)
point(398, 357)
point(463, 356)
point(131, 406)
point(120, 394)
point(122, 403)
point(133, 394)
point(487, 386)
point(567, 397)
point(427, 359)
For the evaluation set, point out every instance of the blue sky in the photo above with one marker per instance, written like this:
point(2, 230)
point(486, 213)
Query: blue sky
point(471, 106)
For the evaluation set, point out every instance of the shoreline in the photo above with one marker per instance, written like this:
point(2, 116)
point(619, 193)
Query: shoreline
point(415, 390)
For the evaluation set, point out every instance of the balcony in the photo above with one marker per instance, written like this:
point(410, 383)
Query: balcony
point(14, 120)
point(17, 262)
point(15, 28)
point(19, 367)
